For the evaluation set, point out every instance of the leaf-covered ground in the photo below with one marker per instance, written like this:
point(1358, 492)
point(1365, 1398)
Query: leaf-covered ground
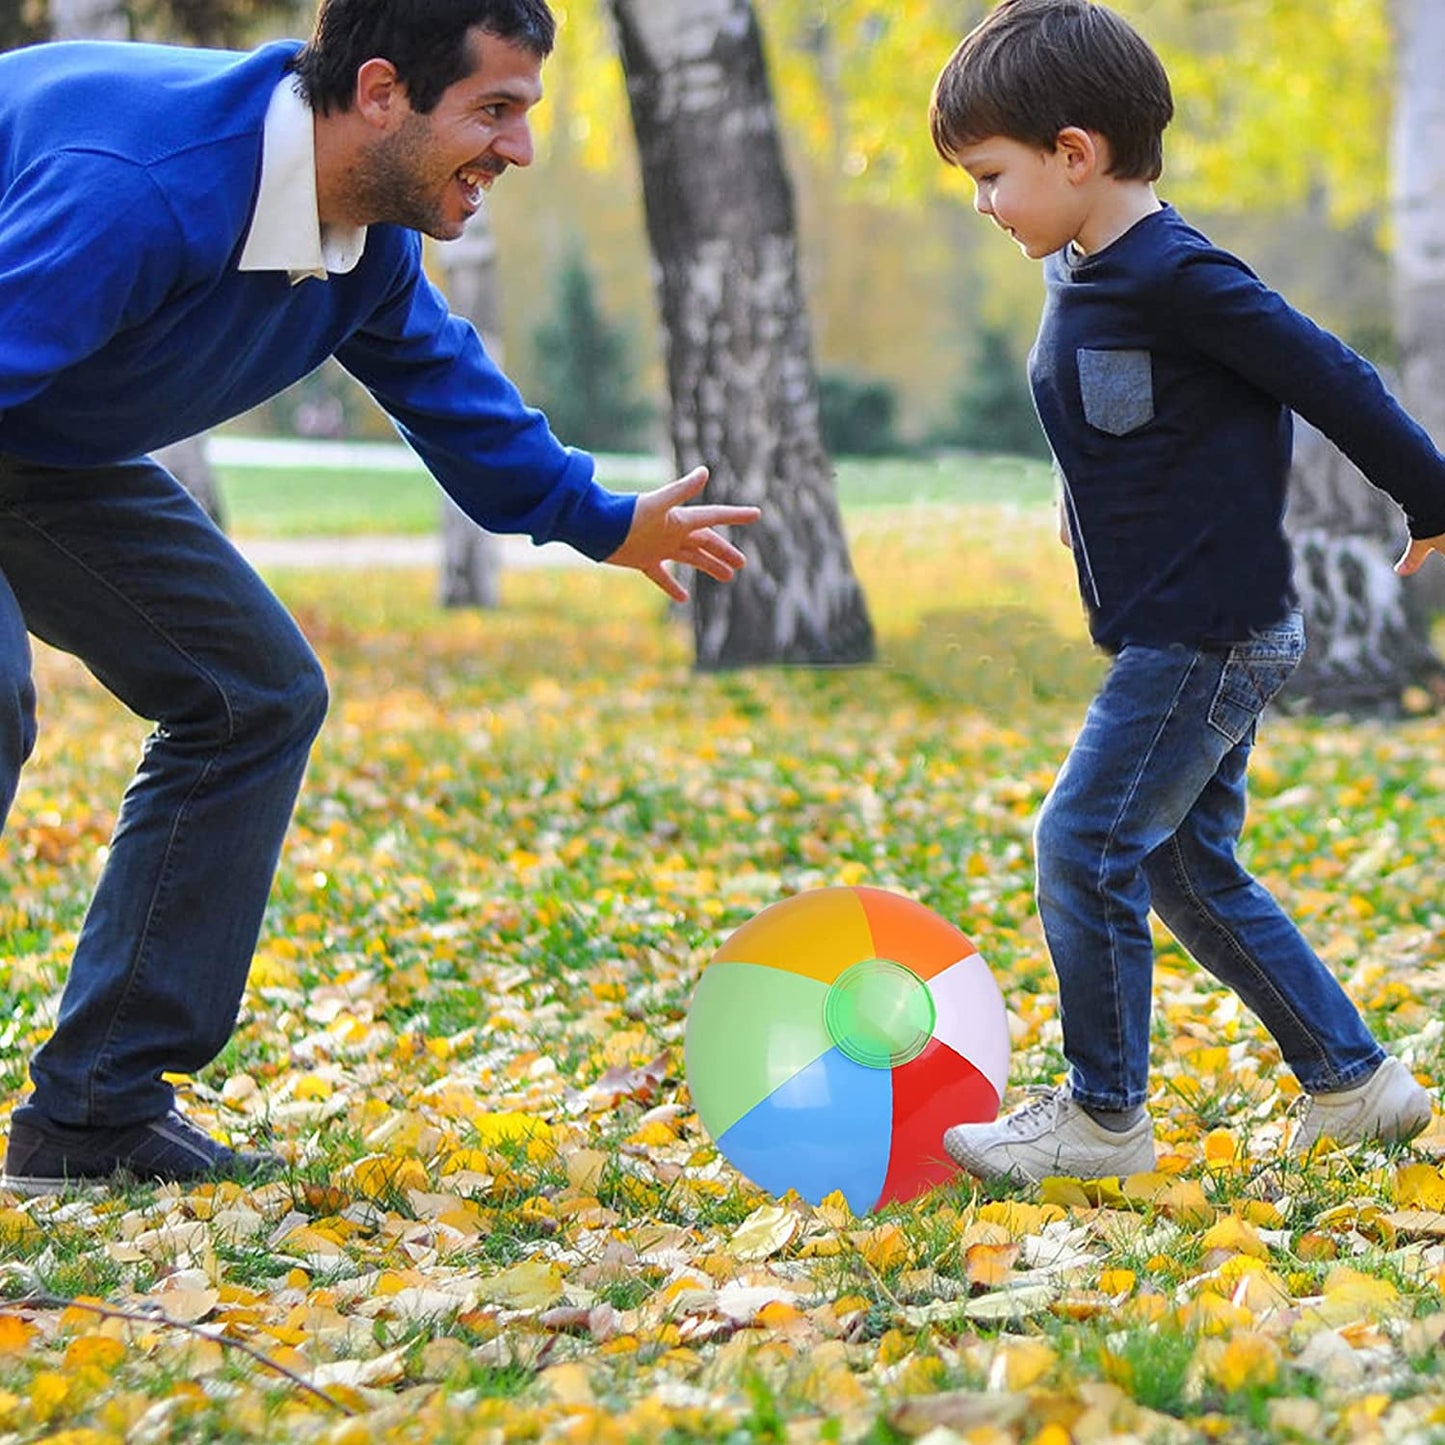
point(522, 836)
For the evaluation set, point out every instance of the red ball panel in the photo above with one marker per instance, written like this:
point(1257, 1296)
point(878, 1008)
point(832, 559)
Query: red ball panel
point(931, 1093)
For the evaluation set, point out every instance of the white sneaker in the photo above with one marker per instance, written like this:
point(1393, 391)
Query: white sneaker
point(1050, 1135)
point(1389, 1106)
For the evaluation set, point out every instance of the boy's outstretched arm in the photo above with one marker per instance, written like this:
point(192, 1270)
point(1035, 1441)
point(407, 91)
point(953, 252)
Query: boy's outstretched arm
point(1415, 554)
point(665, 530)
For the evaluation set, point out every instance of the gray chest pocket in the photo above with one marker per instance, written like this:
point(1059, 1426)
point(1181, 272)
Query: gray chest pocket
point(1118, 389)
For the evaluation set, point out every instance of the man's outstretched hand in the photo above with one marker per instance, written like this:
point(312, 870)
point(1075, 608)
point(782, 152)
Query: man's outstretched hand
point(665, 529)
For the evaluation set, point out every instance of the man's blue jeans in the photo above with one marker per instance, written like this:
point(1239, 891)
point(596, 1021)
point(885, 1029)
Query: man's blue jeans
point(1147, 810)
point(120, 567)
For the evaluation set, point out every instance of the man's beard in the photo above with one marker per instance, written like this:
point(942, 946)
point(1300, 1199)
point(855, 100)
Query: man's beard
point(391, 186)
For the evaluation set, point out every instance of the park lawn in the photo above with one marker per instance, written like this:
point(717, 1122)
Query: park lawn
point(264, 502)
point(523, 835)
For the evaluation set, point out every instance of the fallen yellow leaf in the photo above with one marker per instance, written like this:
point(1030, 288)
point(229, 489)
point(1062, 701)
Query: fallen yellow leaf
point(529, 1286)
point(988, 1265)
point(98, 1352)
point(1117, 1281)
point(1234, 1236)
point(767, 1231)
point(1019, 1217)
point(1185, 1202)
point(15, 1334)
point(884, 1248)
point(1221, 1148)
point(1420, 1186)
point(18, 1228)
point(49, 1390)
point(1351, 1295)
point(1247, 1359)
point(1020, 1364)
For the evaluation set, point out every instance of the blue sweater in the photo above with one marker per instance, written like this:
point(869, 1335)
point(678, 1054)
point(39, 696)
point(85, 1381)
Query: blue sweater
point(1164, 374)
point(128, 175)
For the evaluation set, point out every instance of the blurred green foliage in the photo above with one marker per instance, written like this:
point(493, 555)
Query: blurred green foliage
point(586, 377)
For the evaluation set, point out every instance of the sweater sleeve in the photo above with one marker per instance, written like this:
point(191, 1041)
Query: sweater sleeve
point(1224, 310)
point(88, 247)
point(494, 455)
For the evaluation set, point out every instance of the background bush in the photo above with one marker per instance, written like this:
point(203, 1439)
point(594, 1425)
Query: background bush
point(586, 375)
point(859, 415)
point(992, 410)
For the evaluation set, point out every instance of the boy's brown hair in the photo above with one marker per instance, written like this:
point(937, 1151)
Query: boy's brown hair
point(1034, 67)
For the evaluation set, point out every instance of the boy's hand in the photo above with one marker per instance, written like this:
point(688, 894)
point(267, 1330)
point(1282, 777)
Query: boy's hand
point(665, 530)
point(1416, 553)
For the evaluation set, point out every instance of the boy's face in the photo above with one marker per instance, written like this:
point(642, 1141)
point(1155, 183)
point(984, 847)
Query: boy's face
point(1030, 193)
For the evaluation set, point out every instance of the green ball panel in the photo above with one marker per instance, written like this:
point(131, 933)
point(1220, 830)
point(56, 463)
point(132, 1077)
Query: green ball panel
point(750, 1029)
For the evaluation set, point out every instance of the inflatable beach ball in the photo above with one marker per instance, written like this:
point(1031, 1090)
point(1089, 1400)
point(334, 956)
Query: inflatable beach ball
point(834, 1037)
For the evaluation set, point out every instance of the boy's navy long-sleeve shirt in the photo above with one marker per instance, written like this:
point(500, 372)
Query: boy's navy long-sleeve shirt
point(1164, 374)
point(128, 179)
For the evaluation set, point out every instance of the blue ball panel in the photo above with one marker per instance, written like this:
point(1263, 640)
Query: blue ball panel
point(828, 1127)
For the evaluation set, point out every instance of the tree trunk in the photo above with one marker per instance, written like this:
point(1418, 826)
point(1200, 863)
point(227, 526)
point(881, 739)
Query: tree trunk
point(1418, 188)
point(471, 557)
point(1369, 648)
point(1369, 629)
point(89, 20)
point(739, 354)
point(189, 463)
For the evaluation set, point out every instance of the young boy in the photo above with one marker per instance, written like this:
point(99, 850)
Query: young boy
point(1164, 374)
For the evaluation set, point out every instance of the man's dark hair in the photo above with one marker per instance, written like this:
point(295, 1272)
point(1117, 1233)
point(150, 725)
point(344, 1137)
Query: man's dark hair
point(428, 41)
point(1034, 67)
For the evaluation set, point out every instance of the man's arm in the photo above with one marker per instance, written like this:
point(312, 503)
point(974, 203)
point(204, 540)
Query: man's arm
point(494, 455)
point(497, 457)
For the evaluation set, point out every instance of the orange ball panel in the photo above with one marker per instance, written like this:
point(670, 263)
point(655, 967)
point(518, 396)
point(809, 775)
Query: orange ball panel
point(911, 934)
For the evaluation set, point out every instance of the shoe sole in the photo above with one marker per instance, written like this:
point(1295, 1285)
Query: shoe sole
point(1024, 1174)
point(1410, 1126)
point(1401, 1132)
point(1021, 1173)
point(34, 1187)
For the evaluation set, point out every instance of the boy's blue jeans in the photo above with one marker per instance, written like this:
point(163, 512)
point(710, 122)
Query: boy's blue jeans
point(1147, 810)
point(120, 567)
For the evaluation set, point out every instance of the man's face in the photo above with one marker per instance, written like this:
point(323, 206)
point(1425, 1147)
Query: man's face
point(429, 172)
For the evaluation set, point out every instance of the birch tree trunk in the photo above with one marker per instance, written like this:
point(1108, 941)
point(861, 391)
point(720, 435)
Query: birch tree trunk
point(89, 20)
point(1369, 630)
point(471, 557)
point(1418, 192)
point(1369, 649)
point(189, 462)
point(743, 390)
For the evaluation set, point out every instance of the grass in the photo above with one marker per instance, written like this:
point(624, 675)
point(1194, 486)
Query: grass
point(314, 502)
point(522, 835)
point(310, 502)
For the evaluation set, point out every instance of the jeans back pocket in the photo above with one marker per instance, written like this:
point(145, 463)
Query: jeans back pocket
point(1253, 673)
point(1117, 389)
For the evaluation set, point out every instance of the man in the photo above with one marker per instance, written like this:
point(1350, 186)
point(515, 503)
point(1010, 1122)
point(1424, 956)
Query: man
point(183, 233)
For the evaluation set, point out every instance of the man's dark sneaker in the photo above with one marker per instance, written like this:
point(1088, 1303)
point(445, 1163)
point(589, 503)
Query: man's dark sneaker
point(44, 1157)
